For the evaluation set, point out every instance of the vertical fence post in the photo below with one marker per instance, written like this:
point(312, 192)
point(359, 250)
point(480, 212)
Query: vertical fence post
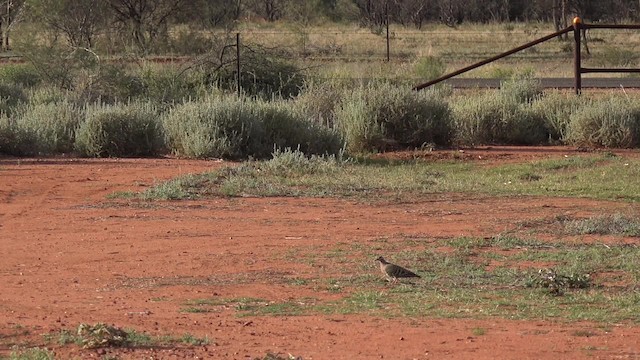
point(386, 14)
point(577, 66)
point(238, 64)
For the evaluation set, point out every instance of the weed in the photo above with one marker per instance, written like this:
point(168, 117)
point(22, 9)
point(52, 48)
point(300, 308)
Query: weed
point(31, 354)
point(558, 283)
point(193, 340)
point(614, 224)
point(101, 335)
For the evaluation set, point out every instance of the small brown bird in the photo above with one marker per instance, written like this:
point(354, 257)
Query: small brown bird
point(394, 272)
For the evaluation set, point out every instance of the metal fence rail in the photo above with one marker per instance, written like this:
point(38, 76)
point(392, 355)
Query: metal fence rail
point(577, 27)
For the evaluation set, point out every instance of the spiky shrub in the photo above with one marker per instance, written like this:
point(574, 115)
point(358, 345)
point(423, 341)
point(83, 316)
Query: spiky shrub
point(11, 96)
point(218, 127)
point(24, 75)
point(318, 101)
point(376, 116)
point(14, 139)
point(53, 125)
point(496, 119)
point(120, 130)
point(108, 84)
point(49, 94)
point(169, 85)
point(608, 122)
point(521, 90)
point(285, 127)
point(429, 67)
point(555, 109)
point(227, 127)
point(263, 74)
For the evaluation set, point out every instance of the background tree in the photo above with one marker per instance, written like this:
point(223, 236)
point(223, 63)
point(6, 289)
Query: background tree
point(79, 20)
point(146, 20)
point(11, 12)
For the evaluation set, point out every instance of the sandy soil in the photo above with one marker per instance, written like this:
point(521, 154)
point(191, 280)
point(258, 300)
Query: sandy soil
point(70, 255)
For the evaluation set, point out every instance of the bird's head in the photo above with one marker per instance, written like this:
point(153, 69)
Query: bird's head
point(381, 259)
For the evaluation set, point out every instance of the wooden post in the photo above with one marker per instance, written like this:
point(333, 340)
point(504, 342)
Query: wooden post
point(577, 67)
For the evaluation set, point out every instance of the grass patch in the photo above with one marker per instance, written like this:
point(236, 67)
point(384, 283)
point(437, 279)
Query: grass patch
point(615, 224)
point(35, 353)
point(498, 277)
point(595, 176)
point(102, 335)
point(478, 331)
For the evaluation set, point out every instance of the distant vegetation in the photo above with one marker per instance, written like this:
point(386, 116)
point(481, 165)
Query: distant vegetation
point(135, 81)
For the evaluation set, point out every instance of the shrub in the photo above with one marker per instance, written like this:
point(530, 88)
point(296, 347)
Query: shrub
point(220, 127)
point(318, 102)
point(167, 85)
point(521, 90)
point(49, 94)
point(374, 117)
point(24, 75)
point(120, 130)
point(285, 127)
point(227, 127)
point(10, 97)
point(264, 75)
point(108, 84)
point(429, 68)
point(494, 119)
point(555, 109)
point(52, 125)
point(609, 122)
point(15, 140)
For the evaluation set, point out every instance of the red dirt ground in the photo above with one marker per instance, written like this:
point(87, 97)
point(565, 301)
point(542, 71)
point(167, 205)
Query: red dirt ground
point(71, 256)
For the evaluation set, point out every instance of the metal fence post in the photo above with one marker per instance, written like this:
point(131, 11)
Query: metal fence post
point(386, 11)
point(577, 67)
point(238, 64)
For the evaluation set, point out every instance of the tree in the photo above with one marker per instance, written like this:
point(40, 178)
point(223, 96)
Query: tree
point(11, 12)
point(146, 20)
point(78, 20)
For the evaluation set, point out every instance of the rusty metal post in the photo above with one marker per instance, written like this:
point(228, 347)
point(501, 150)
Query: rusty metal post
point(238, 64)
point(577, 66)
point(386, 10)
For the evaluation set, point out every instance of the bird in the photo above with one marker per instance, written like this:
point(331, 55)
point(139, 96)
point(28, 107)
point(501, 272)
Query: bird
point(394, 272)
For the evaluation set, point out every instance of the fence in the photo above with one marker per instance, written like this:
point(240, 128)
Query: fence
point(577, 28)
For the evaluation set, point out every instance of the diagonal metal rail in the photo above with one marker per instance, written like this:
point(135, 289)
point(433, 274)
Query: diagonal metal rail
point(492, 59)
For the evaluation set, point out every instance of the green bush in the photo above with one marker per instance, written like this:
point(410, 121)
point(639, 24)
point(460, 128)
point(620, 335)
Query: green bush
point(494, 119)
point(521, 90)
point(380, 116)
point(108, 84)
point(11, 96)
point(120, 130)
point(429, 68)
point(167, 85)
point(287, 128)
point(14, 139)
point(24, 75)
point(609, 122)
point(318, 102)
point(263, 75)
point(46, 94)
point(555, 109)
point(52, 125)
point(219, 127)
point(227, 127)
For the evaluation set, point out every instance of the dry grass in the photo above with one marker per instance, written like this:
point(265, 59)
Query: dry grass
point(339, 50)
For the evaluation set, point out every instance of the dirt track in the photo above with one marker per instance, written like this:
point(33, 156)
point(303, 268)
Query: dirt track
point(71, 256)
